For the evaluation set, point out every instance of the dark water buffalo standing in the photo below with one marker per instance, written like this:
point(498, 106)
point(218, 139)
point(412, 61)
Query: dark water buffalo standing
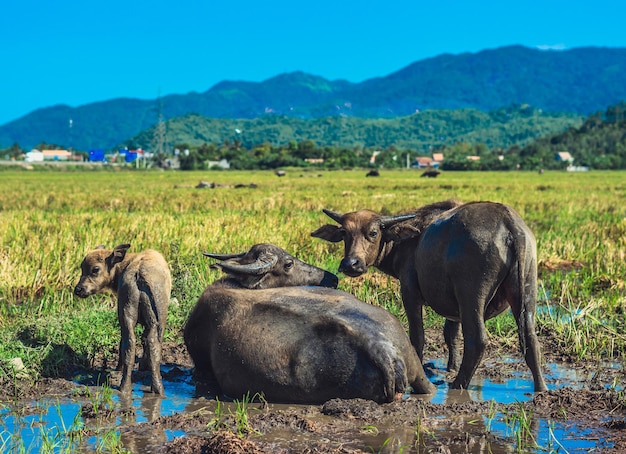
point(297, 344)
point(142, 283)
point(469, 262)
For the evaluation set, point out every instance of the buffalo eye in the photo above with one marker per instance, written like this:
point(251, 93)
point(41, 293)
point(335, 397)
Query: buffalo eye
point(95, 270)
point(288, 265)
point(373, 234)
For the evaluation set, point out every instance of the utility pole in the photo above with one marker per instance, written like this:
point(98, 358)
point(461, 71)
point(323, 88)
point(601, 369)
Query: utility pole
point(158, 146)
point(70, 139)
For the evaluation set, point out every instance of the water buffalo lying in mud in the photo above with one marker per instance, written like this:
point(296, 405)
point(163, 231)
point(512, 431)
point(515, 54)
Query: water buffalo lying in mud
point(142, 283)
point(268, 266)
point(298, 344)
point(468, 262)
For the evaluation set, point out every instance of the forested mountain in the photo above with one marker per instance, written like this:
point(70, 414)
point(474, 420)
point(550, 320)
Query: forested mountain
point(580, 81)
point(599, 143)
point(421, 132)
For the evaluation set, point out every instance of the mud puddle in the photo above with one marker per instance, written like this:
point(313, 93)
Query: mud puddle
point(493, 415)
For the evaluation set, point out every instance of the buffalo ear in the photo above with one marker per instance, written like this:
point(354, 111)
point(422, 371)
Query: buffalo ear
point(118, 253)
point(328, 232)
point(400, 232)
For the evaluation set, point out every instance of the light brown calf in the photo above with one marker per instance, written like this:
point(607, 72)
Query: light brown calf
point(142, 283)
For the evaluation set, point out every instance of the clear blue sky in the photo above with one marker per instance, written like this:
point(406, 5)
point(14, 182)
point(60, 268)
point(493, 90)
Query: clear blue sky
point(78, 52)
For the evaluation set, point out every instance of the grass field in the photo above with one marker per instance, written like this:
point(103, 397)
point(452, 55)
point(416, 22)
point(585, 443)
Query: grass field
point(49, 220)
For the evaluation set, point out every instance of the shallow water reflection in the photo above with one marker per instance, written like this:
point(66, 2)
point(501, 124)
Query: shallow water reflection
point(518, 388)
point(36, 426)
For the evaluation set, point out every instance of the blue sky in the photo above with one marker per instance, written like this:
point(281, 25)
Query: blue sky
point(78, 52)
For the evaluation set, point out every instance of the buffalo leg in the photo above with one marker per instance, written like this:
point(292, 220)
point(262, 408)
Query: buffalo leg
point(153, 362)
point(120, 360)
point(151, 341)
point(127, 352)
point(452, 336)
point(414, 309)
point(159, 328)
point(525, 292)
point(144, 363)
point(127, 313)
point(530, 347)
point(474, 344)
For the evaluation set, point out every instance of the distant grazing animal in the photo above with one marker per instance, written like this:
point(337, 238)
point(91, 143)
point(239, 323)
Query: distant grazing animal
point(468, 262)
point(373, 173)
point(430, 173)
point(142, 283)
point(280, 173)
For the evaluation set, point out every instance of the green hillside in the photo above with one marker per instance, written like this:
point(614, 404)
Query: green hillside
point(421, 132)
point(497, 138)
point(599, 143)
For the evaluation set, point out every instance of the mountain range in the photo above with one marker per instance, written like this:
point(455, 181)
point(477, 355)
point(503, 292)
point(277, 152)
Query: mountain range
point(577, 81)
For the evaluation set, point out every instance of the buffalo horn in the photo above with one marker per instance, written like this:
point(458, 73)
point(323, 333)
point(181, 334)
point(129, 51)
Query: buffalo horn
point(333, 215)
point(388, 221)
point(223, 256)
point(256, 268)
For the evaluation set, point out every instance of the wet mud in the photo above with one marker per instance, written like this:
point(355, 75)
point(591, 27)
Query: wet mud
point(583, 410)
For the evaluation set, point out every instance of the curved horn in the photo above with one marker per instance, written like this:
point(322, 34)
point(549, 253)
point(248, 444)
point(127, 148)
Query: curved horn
point(223, 256)
point(259, 267)
point(333, 215)
point(388, 221)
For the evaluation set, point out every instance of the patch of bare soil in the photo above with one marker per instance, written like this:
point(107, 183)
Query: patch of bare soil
point(553, 264)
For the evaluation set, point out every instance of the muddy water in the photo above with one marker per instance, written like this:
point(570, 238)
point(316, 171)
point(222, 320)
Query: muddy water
point(32, 427)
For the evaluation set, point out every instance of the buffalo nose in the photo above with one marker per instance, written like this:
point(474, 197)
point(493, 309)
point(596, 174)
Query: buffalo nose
point(330, 280)
point(351, 266)
point(78, 290)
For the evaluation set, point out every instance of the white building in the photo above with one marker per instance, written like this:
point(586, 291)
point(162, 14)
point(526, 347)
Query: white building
point(34, 155)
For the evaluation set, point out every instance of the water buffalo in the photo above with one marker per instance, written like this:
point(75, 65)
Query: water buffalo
point(300, 345)
point(431, 173)
point(142, 283)
point(468, 262)
point(297, 344)
point(268, 266)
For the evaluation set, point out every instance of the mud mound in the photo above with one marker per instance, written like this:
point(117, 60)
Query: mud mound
point(219, 443)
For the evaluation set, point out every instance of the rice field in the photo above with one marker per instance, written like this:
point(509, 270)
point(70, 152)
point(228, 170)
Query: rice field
point(50, 219)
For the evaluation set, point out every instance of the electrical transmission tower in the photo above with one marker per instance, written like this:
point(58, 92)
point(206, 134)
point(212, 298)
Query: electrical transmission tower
point(158, 146)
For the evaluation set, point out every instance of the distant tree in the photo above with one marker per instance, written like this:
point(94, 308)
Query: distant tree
point(48, 146)
point(191, 161)
point(390, 158)
point(306, 149)
point(13, 152)
point(616, 113)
